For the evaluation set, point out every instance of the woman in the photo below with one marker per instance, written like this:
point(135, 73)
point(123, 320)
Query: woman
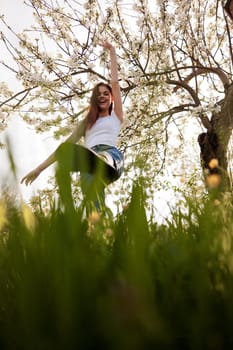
point(100, 129)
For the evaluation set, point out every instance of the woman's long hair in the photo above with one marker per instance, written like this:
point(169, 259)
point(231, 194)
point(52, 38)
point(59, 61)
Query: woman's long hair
point(93, 113)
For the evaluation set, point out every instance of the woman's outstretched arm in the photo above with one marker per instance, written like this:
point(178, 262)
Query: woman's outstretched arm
point(73, 138)
point(118, 108)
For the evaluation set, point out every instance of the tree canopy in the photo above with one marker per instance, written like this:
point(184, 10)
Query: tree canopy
point(175, 67)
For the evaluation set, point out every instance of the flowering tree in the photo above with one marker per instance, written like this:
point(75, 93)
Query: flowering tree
point(175, 60)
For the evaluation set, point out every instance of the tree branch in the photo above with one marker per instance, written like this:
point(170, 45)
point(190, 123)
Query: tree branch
point(206, 70)
point(184, 85)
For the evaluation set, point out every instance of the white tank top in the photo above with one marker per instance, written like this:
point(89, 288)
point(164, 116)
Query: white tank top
point(105, 131)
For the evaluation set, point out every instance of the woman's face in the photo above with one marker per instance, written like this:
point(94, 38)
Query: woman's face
point(104, 98)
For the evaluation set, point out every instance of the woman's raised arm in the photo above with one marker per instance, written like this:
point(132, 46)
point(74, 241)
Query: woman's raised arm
point(118, 108)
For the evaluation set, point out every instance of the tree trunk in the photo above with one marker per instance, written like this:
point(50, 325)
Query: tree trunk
point(222, 125)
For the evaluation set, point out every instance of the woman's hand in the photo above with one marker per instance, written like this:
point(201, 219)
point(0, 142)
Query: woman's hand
point(105, 44)
point(30, 177)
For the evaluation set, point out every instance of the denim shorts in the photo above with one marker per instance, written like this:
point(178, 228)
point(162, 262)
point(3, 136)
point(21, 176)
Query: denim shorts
point(116, 155)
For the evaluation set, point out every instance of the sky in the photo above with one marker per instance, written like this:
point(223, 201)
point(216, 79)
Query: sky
point(27, 147)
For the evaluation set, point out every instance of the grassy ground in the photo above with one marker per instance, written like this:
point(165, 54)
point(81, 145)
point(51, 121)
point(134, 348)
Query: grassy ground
point(70, 281)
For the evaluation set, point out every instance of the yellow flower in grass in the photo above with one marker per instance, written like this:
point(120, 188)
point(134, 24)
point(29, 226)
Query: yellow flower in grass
point(94, 217)
point(213, 163)
point(108, 232)
point(213, 180)
point(28, 217)
point(217, 202)
point(3, 214)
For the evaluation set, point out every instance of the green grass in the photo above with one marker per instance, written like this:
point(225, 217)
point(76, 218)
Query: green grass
point(68, 281)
